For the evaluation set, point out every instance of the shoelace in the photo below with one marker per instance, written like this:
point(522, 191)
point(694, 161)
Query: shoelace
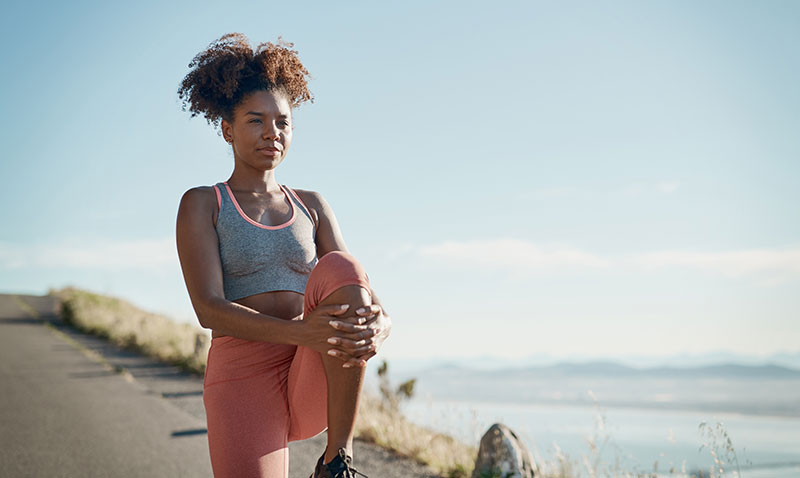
point(356, 472)
point(353, 472)
point(349, 470)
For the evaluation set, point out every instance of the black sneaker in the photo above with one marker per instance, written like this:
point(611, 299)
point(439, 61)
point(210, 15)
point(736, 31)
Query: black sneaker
point(339, 467)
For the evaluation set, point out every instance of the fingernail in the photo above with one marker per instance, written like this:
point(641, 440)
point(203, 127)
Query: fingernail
point(361, 310)
point(347, 365)
point(333, 341)
point(331, 352)
point(343, 306)
point(334, 324)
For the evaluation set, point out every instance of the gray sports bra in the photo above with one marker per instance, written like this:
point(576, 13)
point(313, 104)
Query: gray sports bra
point(258, 258)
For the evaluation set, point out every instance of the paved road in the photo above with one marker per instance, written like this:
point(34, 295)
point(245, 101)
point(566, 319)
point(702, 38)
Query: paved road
point(73, 405)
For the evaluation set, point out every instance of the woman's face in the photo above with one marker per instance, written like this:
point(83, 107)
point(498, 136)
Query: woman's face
point(261, 131)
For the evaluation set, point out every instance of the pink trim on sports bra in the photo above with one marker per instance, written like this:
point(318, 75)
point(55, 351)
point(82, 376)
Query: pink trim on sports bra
point(262, 226)
point(308, 211)
point(219, 198)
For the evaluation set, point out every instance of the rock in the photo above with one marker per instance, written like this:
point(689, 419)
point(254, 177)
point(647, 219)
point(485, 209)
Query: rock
point(503, 455)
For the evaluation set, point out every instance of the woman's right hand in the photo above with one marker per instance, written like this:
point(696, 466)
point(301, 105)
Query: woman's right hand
point(315, 328)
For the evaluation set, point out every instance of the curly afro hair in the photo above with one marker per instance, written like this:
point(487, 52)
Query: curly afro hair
point(228, 70)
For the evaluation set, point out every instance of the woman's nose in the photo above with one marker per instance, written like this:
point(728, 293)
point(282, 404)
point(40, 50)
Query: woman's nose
point(271, 131)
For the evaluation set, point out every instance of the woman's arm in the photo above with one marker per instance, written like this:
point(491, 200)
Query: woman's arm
point(198, 251)
point(329, 238)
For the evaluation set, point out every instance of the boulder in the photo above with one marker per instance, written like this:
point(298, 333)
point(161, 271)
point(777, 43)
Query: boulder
point(503, 455)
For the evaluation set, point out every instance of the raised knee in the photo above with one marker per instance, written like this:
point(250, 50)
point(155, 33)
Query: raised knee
point(339, 261)
point(355, 296)
point(334, 271)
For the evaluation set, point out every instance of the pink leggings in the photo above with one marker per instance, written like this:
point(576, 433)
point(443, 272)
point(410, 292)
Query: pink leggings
point(259, 396)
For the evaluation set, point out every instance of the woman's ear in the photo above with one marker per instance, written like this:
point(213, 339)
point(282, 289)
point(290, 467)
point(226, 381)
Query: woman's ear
point(227, 131)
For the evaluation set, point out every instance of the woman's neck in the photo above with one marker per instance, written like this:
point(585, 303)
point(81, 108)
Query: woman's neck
point(257, 183)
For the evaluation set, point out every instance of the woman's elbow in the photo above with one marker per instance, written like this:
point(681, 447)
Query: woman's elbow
point(205, 312)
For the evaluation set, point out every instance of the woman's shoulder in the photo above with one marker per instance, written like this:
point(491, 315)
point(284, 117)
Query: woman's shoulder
point(200, 200)
point(200, 194)
point(315, 203)
point(312, 199)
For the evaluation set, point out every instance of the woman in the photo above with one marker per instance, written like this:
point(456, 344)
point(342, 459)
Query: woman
point(292, 314)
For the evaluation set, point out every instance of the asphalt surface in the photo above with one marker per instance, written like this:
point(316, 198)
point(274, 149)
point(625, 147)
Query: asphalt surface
point(73, 405)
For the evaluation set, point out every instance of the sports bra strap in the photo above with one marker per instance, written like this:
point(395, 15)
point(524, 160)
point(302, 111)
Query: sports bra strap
point(302, 205)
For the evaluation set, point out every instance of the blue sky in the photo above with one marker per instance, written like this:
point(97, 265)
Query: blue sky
point(573, 179)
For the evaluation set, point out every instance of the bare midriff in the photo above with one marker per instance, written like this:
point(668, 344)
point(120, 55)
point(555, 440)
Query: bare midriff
point(282, 304)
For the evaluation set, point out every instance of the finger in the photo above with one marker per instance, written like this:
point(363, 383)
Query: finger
point(347, 344)
point(377, 331)
point(369, 310)
point(349, 360)
point(337, 309)
point(359, 320)
point(354, 358)
point(353, 347)
point(353, 319)
point(345, 327)
point(362, 358)
point(368, 335)
point(354, 362)
point(339, 354)
point(364, 350)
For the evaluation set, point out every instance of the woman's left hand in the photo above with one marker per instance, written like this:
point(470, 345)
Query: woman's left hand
point(378, 325)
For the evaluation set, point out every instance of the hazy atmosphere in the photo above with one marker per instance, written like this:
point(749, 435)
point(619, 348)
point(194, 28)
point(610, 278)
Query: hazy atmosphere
point(535, 179)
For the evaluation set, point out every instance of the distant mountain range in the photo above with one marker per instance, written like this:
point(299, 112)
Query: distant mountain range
point(612, 369)
point(764, 389)
point(721, 362)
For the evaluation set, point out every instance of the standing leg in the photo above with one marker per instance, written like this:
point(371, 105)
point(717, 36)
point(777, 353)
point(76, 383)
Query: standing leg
point(246, 411)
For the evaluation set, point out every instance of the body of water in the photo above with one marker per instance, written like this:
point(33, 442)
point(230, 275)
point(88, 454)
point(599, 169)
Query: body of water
point(631, 439)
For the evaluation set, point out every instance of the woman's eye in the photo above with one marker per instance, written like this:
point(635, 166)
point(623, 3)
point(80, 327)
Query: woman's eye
point(255, 121)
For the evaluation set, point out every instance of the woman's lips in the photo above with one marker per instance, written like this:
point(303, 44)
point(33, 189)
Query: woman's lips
point(270, 151)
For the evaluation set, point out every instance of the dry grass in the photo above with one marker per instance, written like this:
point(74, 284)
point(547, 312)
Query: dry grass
point(128, 326)
point(187, 345)
point(596, 463)
point(388, 428)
